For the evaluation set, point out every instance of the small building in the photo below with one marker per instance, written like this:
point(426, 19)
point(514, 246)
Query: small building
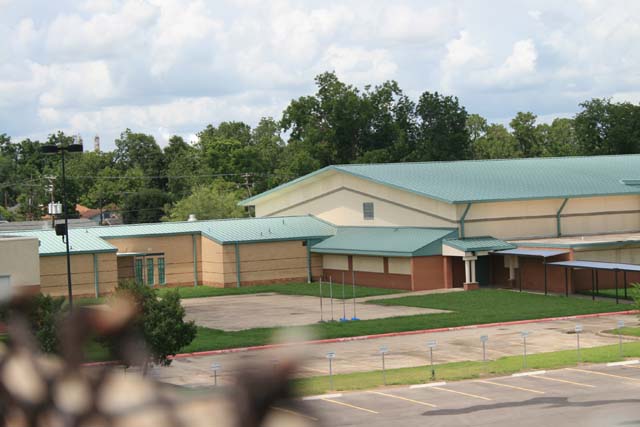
point(19, 264)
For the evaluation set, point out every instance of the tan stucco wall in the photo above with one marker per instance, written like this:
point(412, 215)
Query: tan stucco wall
point(400, 265)
point(212, 263)
point(372, 264)
point(178, 254)
point(627, 255)
point(53, 274)
point(338, 198)
point(269, 262)
point(335, 262)
point(19, 259)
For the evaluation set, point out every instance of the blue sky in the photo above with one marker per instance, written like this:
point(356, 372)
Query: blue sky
point(173, 66)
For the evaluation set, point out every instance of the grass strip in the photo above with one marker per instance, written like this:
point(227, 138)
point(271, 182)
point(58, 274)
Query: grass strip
point(462, 370)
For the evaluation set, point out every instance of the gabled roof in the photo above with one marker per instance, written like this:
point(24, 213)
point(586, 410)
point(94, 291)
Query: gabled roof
point(238, 230)
point(498, 180)
point(80, 242)
point(475, 244)
point(385, 241)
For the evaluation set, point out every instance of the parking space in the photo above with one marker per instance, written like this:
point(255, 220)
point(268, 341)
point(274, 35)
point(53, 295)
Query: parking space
point(567, 396)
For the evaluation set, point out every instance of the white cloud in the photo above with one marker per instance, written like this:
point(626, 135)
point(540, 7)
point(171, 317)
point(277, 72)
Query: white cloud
point(521, 62)
point(360, 66)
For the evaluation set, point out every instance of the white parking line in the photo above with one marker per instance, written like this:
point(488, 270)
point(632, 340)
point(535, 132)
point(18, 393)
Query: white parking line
point(461, 393)
point(509, 386)
point(428, 385)
point(527, 374)
point(624, 363)
point(403, 398)
point(323, 396)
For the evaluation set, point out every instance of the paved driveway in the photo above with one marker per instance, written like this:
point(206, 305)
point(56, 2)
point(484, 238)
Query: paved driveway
point(237, 312)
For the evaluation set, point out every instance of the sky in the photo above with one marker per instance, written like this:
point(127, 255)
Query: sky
point(165, 67)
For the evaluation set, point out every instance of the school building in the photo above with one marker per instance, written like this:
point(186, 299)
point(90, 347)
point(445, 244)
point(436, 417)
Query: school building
point(549, 224)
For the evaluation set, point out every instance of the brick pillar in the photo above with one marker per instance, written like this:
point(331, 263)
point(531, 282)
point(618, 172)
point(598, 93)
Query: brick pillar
point(447, 268)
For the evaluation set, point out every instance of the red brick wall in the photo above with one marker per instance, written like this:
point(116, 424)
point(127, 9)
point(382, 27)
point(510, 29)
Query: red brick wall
point(606, 279)
point(365, 278)
point(458, 271)
point(427, 273)
point(531, 272)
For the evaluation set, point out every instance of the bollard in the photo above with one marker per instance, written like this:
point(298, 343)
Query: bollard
point(321, 315)
point(215, 367)
point(331, 355)
point(384, 350)
point(524, 335)
point(578, 330)
point(432, 344)
point(620, 326)
point(483, 340)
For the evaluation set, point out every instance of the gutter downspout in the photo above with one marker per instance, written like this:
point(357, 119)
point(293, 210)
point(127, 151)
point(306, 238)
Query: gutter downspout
point(195, 261)
point(558, 225)
point(237, 265)
point(462, 218)
point(96, 275)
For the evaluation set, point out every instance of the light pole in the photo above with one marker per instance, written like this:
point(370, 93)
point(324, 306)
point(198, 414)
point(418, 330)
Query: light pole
point(61, 149)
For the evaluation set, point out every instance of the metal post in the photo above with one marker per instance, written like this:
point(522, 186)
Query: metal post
point(544, 262)
point(383, 351)
point(432, 345)
point(615, 272)
point(520, 275)
point(620, 326)
point(593, 284)
point(215, 367)
point(524, 335)
point(597, 285)
point(353, 288)
point(66, 228)
point(344, 302)
point(566, 281)
point(578, 329)
point(330, 356)
point(483, 340)
point(321, 315)
point(624, 278)
point(331, 295)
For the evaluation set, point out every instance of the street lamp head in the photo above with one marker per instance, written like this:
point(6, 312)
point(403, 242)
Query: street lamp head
point(49, 149)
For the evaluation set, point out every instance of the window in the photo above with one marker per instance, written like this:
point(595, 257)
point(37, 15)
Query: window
point(139, 272)
point(161, 278)
point(150, 271)
point(367, 210)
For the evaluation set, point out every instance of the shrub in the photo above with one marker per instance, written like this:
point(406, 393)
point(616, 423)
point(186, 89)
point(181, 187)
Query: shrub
point(161, 320)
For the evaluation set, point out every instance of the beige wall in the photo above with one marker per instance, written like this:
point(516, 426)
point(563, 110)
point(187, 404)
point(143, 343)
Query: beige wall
point(371, 264)
point(626, 255)
point(178, 254)
point(53, 274)
point(19, 259)
point(335, 262)
point(400, 265)
point(338, 198)
point(213, 264)
point(269, 262)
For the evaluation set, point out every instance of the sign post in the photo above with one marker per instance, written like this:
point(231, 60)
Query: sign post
point(578, 330)
point(483, 340)
point(384, 350)
point(524, 335)
point(331, 355)
point(620, 326)
point(215, 367)
point(432, 344)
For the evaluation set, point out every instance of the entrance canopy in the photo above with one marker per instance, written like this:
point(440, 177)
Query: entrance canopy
point(596, 265)
point(533, 252)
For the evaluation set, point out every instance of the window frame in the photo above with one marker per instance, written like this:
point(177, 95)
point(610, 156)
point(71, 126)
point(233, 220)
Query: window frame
point(368, 214)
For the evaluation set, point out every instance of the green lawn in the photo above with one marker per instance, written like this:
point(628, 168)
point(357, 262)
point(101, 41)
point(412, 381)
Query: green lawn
point(611, 293)
point(311, 289)
point(477, 307)
point(629, 331)
point(463, 370)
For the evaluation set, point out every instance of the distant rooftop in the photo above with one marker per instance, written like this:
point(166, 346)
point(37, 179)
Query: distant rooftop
point(499, 180)
point(42, 224)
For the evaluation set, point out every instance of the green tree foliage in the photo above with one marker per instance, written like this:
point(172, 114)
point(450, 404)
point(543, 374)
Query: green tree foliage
point(218, 200)
point(525, 132)
point(603, 127)
point(496, 143)
point(161, 320)
point(146, 205)
point(142, 151)
point(442, 132)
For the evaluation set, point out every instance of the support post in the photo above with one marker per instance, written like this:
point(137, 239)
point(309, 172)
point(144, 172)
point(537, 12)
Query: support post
point(624, 278)
point(520, 276)
point(593, 284)
point(616, 280)
point(566, 281)
point(237, 264)
point(309, 273)
point(544, 262)
point(66, 231)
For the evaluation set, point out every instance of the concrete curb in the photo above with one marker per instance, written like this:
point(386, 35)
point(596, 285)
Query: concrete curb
point(386, 335)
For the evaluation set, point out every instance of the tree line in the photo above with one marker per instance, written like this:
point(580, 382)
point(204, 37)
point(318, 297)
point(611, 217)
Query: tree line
point(338, 124)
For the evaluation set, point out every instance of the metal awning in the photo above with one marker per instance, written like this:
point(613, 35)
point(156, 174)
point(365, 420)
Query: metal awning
point(544, 253)
point(478, 244)
point(596, 265)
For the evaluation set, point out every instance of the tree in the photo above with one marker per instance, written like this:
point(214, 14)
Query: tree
point(140, 150)
point(442, 133)
point(476, 127)
point(161, 320)
point(603, 127)
point(558, 139)
point(146, 205)
point(185, 167)
point(219, 200)
point(496, 143)
point(524, 130)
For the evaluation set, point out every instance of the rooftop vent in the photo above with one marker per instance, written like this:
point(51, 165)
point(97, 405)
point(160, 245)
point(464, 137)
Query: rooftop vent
point(192, 217)
point(635, 182)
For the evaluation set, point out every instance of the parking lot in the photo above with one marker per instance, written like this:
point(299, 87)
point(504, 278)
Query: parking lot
point(597, 395)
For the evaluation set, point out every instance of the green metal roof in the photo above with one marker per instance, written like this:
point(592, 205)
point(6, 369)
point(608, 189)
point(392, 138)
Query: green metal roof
point(385, 241)
point(80, 240)
point(475, 244)
point(499, 180)
point(241, 230)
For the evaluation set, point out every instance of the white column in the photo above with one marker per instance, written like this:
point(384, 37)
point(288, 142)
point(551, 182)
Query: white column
point(467, 273)
point(473, 271)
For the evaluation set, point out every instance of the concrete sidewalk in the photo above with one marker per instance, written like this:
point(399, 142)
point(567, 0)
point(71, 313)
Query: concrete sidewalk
point(407, 350)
